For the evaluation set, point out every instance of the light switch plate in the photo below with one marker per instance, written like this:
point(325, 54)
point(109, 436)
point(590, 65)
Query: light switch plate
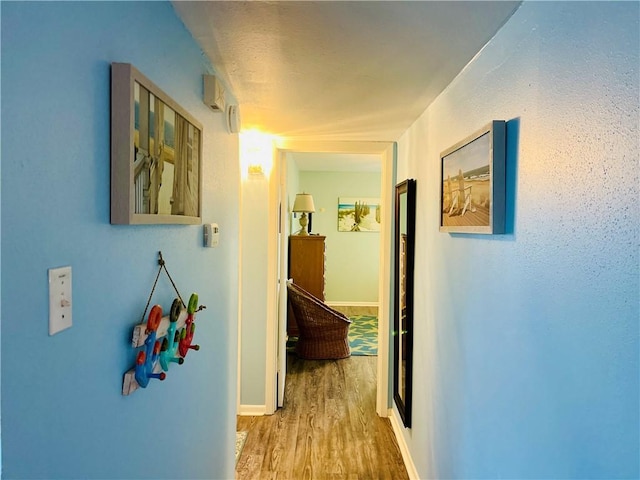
point(60, 301)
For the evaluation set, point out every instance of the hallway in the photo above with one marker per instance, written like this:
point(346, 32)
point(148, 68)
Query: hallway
point(328, 427)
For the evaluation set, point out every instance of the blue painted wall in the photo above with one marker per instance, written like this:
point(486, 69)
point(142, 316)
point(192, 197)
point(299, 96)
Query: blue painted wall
point(63, 415)
point(527, 344)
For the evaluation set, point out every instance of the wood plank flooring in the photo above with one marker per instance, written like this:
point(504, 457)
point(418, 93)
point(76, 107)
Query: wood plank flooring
point(327, 429)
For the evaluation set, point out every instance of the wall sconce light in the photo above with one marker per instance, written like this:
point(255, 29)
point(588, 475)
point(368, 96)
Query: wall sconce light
point(256, 154)
point(303, 204)
point(255, 170)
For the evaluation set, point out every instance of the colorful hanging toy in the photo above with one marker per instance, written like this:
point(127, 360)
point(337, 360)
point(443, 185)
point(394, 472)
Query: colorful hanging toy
point(170, 342)
point(165, 340)
point(186, 335)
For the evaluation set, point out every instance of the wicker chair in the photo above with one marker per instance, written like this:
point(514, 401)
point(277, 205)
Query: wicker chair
point(323, 330)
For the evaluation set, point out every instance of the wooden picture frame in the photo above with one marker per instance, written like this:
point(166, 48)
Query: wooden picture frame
point(156, 154)
point(472, 182)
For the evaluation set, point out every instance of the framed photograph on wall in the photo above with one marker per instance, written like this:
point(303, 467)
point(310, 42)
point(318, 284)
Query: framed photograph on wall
point(357, 214)
point(156, 154)
point(472, 186)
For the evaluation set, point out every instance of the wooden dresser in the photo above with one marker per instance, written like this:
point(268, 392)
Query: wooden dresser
point(306, 268)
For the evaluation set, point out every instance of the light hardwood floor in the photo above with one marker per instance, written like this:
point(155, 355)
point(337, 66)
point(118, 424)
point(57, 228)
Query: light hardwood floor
point(328, 428)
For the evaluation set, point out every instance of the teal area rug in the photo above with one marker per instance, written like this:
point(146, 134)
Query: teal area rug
point(363, 335)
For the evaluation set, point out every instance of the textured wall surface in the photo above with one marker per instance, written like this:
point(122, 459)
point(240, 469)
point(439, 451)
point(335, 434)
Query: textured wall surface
point(353, 259)
point(63, 415)
point(526, 355)
point(254, 224)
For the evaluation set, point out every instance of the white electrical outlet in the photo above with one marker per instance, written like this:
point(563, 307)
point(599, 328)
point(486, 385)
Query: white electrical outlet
point(60, 303)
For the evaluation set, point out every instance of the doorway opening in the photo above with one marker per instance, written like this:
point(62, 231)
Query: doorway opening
point(377, 161)
point(345, 189)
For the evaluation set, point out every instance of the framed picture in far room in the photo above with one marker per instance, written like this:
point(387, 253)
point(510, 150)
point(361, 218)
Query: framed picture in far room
point(472, 184)
point(358, 214)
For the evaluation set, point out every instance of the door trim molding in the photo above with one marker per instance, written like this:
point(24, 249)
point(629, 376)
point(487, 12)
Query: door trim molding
point(387, 152)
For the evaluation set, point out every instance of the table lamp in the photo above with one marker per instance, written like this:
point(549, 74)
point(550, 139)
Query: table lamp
point(303, 204)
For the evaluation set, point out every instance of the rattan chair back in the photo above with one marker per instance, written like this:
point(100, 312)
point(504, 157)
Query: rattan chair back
point(324, 332)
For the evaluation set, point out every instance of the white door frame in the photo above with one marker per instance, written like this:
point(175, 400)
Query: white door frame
point(274, 255)
point(386, 150)
point(283, 232)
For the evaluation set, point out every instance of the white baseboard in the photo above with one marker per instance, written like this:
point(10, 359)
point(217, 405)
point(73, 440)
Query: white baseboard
point(252, 410)
point(404, 449)
point(351, 304)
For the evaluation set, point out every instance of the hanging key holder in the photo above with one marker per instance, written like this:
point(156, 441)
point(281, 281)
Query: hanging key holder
point(166, 340)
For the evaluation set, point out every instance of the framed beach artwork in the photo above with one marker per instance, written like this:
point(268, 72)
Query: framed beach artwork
point(472, 183)
point(356, 214)
point(156, 154)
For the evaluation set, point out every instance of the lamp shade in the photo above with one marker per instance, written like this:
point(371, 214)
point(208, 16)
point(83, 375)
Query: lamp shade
point(304, 203)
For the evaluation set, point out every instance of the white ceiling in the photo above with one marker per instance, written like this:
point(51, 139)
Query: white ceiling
point(336, 162)
point(361, 70)
point(352, 70)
